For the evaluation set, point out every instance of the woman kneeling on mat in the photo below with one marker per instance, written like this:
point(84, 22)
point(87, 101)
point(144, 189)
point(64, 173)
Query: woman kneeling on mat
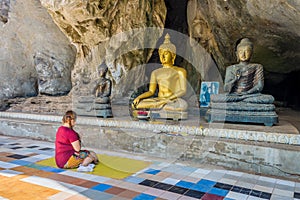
point(68, 152)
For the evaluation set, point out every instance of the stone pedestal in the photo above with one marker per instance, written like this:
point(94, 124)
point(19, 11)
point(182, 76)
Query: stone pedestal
point(91, 106)
point(103, 110)
point(242, 112)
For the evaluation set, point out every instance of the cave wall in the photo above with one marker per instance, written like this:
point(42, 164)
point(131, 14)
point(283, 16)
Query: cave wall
point(27, 31)
point(113, 33)
point(80, 35)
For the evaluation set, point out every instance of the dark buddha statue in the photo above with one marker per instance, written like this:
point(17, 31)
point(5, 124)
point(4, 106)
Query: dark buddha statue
point(102, 88)
point(243, 101)
point(244, 81)
point(102, 91)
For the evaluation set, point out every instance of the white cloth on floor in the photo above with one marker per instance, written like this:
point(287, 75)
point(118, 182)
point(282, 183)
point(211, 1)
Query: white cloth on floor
point(88, 168)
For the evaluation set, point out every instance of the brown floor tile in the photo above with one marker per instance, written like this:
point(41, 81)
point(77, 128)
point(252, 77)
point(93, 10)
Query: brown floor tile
point(164, 174)
point(191, 179)
point(66, 179)
point(115, 190)
point(119, 198)
point(128, 194)
point(4, 154)
point(6, 159)
point(145, 176)
point(32, 171)
point(87, 184)
point(158, 178)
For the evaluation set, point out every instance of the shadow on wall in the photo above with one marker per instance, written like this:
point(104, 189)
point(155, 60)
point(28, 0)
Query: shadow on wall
point(286, 93)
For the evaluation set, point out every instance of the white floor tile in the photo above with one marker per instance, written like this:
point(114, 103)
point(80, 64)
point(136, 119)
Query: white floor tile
point(6, 165)
point(283, 192)
point(171, 181)
point(263, 188)
point(235, 195)
point(284, 182)
point(9, 173)
point(203, 171)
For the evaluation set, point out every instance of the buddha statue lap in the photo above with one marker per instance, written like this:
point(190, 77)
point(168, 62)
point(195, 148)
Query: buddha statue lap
point(171, 83)
point(243, 101)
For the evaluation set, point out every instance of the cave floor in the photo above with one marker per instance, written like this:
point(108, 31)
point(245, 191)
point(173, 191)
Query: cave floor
point(23, 176)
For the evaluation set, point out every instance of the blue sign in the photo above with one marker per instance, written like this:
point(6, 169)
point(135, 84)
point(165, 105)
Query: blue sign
point(207, 89)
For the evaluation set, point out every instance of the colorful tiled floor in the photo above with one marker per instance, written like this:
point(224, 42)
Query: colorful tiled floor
point(22, 178)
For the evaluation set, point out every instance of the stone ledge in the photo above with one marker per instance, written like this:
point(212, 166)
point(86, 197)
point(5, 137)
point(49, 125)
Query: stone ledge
point(245, 135)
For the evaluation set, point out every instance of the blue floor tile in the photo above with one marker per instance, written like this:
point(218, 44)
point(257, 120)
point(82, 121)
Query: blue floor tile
point(200, 188)
point(207, 183)
point(144, 197)
point(52, 169)
point(219, 192)
point(101, 187)
point(152, 171)
point(185, 184)
point(21, 162)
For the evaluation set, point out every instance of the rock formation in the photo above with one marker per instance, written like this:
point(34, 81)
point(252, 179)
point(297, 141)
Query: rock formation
point(27, 30)
point(102, 31)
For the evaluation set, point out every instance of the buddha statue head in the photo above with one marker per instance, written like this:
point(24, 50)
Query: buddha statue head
point(244, 50)
point(102, 69)
point(167, 51)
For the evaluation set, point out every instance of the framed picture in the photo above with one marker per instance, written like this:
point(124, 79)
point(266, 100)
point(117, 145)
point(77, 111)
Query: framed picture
point(207, 88)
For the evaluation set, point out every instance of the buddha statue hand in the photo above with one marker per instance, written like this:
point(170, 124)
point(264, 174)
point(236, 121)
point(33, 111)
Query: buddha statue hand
point(135, 102)
point(238, 74)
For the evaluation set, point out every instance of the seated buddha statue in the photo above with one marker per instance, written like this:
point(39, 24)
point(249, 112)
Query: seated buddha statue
point(102, 91)
point(244, 81)
point(243, 84)
point(170, 81)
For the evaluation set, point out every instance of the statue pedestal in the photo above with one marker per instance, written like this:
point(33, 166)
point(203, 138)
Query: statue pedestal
point(160, 114)
point(89, 106)
point(168, 115)
point(103, 110)
point(242, 112)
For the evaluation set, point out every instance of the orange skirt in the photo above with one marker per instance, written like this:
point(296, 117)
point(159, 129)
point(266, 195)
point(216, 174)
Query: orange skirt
point(75, 160)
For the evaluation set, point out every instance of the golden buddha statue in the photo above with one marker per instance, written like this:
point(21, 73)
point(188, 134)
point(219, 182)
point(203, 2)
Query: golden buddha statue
point(171, 83)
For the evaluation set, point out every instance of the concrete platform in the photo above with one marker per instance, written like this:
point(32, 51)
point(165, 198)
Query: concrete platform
point(253, 148)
